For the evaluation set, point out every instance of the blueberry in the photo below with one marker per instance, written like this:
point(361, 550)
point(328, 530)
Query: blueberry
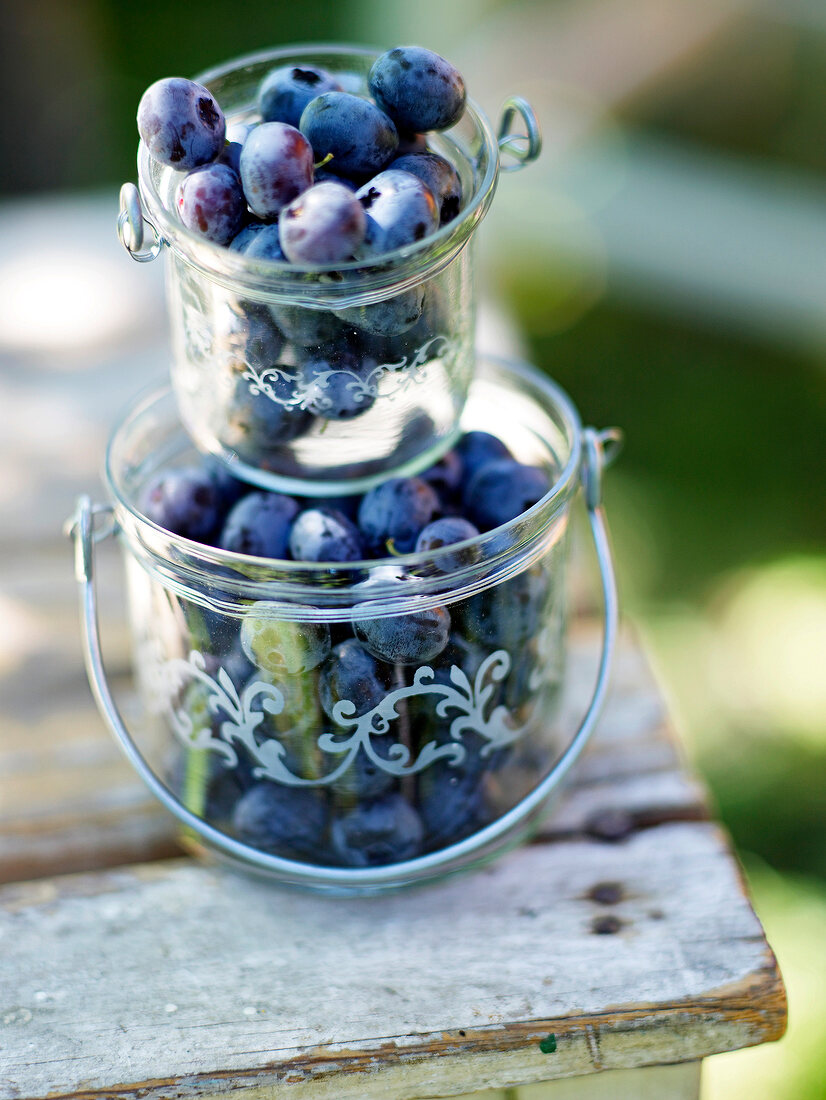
point(393, 514)
point(230, 489)
point(451, 802)
point(414, 638)
point(324, 225)
point(181, 123)
point(387, 830)
point(364, 779)
point(418, 89)
point(339, 386)
point(509, 614)
point(285, 92)
point(446, 476)
point(277, 645)
point(502, 490)
point(350, 673)
point(247, 234)
point(288, 821)
point(265, 244)
point(237, 134)
point(477, 448)
point(360, 137)
point(439, 175)
point(252, 423)
point(322, 534)
point(259, 525)
point(211, 202)
point(444, 532)
point(400, 211)
point(276, 166)
point(306, 327)
point(250, 335)
point(390, 317)
point(185, 501)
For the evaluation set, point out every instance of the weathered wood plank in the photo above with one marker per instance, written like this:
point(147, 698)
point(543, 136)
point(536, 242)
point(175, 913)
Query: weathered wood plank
point(680, 1082)
point(175, 980)
point(70, 802)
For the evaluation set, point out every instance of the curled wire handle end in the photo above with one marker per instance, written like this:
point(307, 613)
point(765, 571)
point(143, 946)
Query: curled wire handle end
point(132, 226)
point(519, 148)
point(600, 448)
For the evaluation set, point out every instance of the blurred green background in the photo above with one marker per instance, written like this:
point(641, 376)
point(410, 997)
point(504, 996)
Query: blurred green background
point(665, 261)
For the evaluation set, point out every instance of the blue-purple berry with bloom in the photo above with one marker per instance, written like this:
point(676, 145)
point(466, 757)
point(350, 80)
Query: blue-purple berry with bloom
point(324, 225)
point(323, 534)
point(417, 88)
point(439, 175)
point(181, 123)
point(276, 165)
point(400, 208)
point(360, 138)
point(259, 525)
point(211, 202)
point(285, 92)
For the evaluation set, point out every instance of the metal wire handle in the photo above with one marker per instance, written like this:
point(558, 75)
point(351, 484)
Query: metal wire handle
point(523, 148)
point(597, 452)
point(132, 227)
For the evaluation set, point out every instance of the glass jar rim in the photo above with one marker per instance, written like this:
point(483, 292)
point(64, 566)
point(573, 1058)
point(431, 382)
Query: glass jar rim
point(399, 269)
point(496, 553)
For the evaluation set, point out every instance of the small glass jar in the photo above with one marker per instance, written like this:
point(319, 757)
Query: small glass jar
point(312, 379)
point(439, 750)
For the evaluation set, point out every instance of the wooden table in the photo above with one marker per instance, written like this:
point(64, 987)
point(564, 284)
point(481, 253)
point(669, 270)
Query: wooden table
point(617, 950)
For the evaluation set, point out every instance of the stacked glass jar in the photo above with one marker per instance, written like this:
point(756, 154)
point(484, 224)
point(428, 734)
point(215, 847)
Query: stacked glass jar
point(347, 725)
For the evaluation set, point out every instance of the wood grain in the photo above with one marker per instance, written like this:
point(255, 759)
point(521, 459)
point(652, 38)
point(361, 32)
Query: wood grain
point(175, 979)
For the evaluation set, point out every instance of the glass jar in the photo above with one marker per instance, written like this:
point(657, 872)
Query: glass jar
point(342, 376)
point(435, 746)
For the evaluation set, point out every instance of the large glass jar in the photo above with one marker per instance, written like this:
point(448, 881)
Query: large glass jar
point(441, 748)
point(341, 376)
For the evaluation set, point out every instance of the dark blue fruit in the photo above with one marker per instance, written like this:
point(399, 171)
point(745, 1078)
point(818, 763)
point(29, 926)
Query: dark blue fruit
point(392, 515)
point(264, 245)
point(254, 423)
point(451, 802)
point(284, 93)
point(400, 211)
point(243, 238)
point(250, 335)
point(350, 673)
point(237, 134)
point(324, 225)
point(446, 477)
point(360, 137)
point(306, 327)
point(259, 525)
point(322, 534)
point(287, 821)
point(444, 532)
point(181, 123)
point(477, 448)
point(439, 175)
point(276, 166)
point(185, 501)
point(211, 202)
point(417, 88)
point(410, 639)
point(391, 317)
point(502, 490)
point(387, 830)
point(339, 386)
point(509, 614)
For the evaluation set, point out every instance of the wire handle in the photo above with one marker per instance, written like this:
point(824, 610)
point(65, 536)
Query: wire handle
point(132, 227)
point(522, 148)
point(83, 528)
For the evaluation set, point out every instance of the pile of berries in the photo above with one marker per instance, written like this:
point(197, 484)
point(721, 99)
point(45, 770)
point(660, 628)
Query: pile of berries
point(326, 176)
point(368, 816)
